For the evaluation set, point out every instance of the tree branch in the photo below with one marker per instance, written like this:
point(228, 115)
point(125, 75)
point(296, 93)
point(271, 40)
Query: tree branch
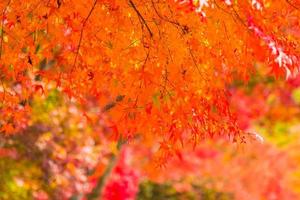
point(293, 5)
point(141, 17)
point(81, 33)
point(2, 27)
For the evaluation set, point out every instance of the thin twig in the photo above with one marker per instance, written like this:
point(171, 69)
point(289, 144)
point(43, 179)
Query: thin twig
point(293, 5)
point(2, 27)
point(222, 8)
point(81, 33)
point(164, 18)
point(141, 17)
point(195, 62)
point(239, 18)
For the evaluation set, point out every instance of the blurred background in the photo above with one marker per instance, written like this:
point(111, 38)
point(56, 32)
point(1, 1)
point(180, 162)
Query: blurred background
point(63, 154)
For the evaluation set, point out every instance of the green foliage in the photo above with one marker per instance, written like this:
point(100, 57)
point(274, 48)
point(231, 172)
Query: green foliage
point(42, 107)
point(150, 191)
point(154, 191)
point(279, 133)
point(212, 194)
point(17, 178)
point(296, 95)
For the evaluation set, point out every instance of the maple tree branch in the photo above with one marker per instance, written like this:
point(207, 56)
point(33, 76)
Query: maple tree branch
point(195, 62)
point(146, 59)
point(164, 18)
point(2, 27)
point(141, 17)
point(293, 5)
point(112, 104)
point(184, 28)
point(81, 33)
point(58, 2)
point(218, 6)
point(237, 16)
